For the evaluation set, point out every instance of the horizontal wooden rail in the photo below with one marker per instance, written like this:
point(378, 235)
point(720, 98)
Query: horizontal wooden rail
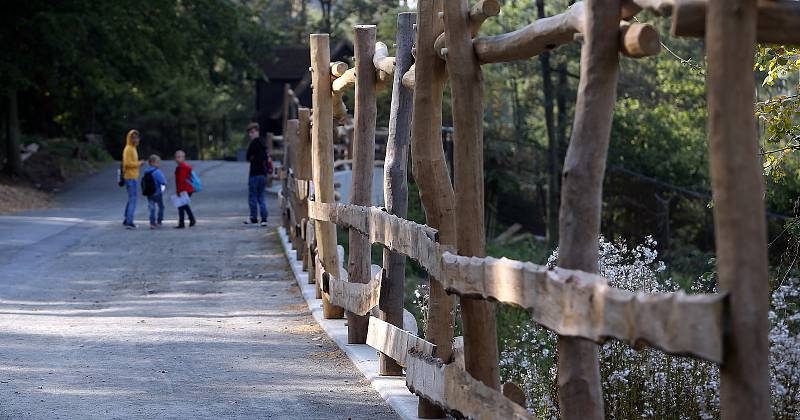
point(777, 21)
point(406, 237)
point(579, 304)
point(358, 298)
point(456, 391)
point(396, 342)
point(551, 32)
point(568, 302)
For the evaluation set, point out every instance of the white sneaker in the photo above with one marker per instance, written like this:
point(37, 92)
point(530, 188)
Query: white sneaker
point(263, 224)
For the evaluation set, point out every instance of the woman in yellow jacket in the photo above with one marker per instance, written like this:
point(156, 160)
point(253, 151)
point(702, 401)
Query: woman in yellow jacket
point(130, 173)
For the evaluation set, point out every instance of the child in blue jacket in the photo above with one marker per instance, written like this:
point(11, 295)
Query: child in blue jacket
point(154, 182)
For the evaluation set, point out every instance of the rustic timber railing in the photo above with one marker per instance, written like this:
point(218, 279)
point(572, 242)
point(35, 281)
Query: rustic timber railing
point(440, 42)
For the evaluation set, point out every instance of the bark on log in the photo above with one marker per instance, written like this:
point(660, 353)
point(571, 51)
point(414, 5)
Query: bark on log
point(396, 342)
point(579, 304)
point(739, 215)
point(395, 180)
point(549, 33)
point(457, 391)
point(382, 61)
point(344, 82)
point(514, 393)
point(466, 81)
point(302, 166)
point(777, 21)
point(358, 265)
point(322, 152)
point(580, 394)
point(409, 79)
point(430, 171)
point(338, 68)
point(353, 296)
point(639, 40)
point(404, 236)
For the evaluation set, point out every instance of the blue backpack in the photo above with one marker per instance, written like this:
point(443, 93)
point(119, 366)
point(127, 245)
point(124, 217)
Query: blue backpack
point(197, 185)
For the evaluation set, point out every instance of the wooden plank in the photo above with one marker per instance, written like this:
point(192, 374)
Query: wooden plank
point(396, 342)
point(466, 81)
point(358, 298)
point(778, 22)
point(322, 156)
point(739, 216)
point(395, 180)
point(453, 389)
point(578, 304)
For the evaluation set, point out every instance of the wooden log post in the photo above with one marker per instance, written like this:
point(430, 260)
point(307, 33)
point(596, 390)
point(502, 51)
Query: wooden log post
point(289, 186)
point(431, 174)
point(740, 222)
point(302, 167)
point(466, 79)
point(579, 389)
point(395, 183)
point(358, 265)
point(322, 158)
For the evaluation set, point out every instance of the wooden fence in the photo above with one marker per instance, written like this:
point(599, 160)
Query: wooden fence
point(440, 42)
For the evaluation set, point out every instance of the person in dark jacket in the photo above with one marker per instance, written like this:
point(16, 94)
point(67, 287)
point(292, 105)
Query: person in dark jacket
point(260, 167)
point(183, 183)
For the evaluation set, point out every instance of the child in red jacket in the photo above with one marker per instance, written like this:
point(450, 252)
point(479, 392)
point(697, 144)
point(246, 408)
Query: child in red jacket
point(183, 178)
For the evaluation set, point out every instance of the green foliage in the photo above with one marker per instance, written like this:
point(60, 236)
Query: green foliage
point(84, 66)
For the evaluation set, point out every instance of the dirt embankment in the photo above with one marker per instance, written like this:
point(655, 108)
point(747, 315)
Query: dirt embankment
point(56, 162)
point(15, 198)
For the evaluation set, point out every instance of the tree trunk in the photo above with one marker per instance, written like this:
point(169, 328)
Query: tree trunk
point(14, 160)
point(552, 143)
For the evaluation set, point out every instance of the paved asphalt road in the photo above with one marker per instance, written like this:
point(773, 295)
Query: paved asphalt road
point(100, 322)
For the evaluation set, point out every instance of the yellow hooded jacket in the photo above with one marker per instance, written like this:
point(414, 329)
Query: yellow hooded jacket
point(130, 158)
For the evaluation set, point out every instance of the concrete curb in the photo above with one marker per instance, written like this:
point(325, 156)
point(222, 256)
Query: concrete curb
point(391, 388)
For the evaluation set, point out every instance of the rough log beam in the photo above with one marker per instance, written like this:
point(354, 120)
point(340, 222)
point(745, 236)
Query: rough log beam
point(382, 61)
point(430, 171)
point(691, 325)
point(466, 82)
point(580, 393)
point(551, 32)
point(579, 304)
point(480, 11)
point(396, 342)
point(737, 183)
point(406, 237)
point(409, 78)
point(322, 156)
point(395, 178)
point(778, 22)
point(358, 298)
point(358, 264)
point(456, 391)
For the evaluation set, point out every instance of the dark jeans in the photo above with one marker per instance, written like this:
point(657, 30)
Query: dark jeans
point(255, 199)
point(153, 202)
point(185, 210)
point(131, 185)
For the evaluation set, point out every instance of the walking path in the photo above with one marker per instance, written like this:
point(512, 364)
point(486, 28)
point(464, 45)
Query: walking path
point(100, 322)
